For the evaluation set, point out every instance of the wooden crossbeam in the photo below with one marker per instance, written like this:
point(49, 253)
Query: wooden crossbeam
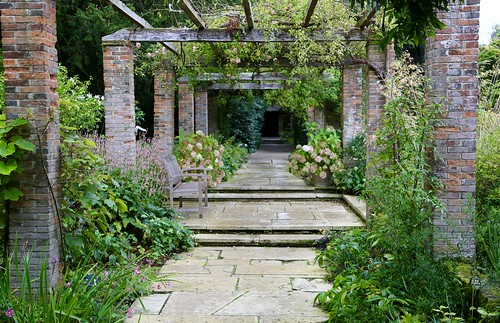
point(247, 6)
point(310, 10)
point(220, 35)
point(366, 18)
point(245, 76)
point(135, 18)
point(245, 86)
point(193, 15)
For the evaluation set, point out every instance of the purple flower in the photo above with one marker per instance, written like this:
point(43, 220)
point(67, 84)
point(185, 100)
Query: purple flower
point(143, 279)
point(130, 313)
point(9, 312)
point(136, 271)
point(67, 284)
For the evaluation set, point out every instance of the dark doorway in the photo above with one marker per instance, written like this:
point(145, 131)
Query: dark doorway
point(271, 124)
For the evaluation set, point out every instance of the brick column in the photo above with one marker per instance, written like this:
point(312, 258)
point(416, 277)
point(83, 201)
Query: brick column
point(212, 114)
point(164, 110)
point(201, 111)
point(30, 60)
point(119, 102)
point(186, 108)
point(451, 62)
point(375, 101)
point(352, 102)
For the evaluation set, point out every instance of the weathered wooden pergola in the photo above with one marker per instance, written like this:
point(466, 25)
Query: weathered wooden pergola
point(30, 61)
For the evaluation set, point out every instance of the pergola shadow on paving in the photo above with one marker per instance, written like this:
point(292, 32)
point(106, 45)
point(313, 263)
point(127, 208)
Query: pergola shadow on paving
point(30, 61)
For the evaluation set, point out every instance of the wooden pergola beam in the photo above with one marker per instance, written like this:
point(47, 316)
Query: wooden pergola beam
point(310, 10)
point(247, 6)
point(219, 35)
point(193, 15)
point(138, 20)
point(366, 19)
point(244, 86)
point(245, 76)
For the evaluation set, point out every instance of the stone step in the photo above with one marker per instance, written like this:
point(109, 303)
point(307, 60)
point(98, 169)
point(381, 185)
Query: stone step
point(268, 240)
point(276, 195)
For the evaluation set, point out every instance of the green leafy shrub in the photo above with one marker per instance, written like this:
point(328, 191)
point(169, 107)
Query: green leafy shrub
point(86, 293)
point(234, 156)
point(242, 117)
point(77, 107)
point(394, 274)
point(352, 178)
point(111, 215)
point(321, 155)
point(199, 150)
point(12, 148)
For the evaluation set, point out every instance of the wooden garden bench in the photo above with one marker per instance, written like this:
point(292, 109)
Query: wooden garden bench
point(179, 188)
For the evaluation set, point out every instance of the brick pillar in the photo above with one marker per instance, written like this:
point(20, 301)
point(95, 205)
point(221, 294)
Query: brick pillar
point(451, 62)
point(119, 102)
point(212, 114)
point(186, 108)
point(164, 110)
point(352, 103)
point(375, 101)
point(30, 61)
point(201, 111)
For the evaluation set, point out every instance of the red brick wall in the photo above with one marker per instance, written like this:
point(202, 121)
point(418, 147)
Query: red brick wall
point(30, 60)
point(451, 62)
point(164, 110)
point(119, 102)
point(201, 111)
point(186, 108)
point(352, 103)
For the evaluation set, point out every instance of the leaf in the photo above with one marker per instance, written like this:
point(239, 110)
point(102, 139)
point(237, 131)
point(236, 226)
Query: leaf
point(122, 207)
point(12, 193)
point(118, 226)
point(7, 149)
point(18, 122)
point(89, 142)
point(24, 144)
point(9, 167)
point(74, 241)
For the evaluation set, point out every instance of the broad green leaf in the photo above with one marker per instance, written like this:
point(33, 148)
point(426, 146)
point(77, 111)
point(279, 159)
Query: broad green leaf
point(9, 167)
point(12, 193)
point(74, 241)
point(7, 149)
point(118, 226)
point(89, 142)
point(122, 207)
point(18, 122)
point(24, 144)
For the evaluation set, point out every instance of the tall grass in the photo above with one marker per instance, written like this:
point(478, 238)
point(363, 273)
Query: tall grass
point(84, 294)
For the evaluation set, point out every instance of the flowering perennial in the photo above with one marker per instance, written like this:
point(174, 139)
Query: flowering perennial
point(322, 154)
point(199, 150)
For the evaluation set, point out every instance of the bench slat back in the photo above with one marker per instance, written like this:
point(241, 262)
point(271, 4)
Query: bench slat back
point(173, 170)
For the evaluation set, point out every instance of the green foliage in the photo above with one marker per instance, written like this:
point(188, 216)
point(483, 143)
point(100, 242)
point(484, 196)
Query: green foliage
point(352, 178)
point(321, 155)
point(391, 272)
point(87, 293)
point(234, 156)
point(406, 21)
point(111, 216)
point(242, 117)
point(77, 107)
point(198, 150)
point(488, 191)
point(489, 75)
point(12, 147)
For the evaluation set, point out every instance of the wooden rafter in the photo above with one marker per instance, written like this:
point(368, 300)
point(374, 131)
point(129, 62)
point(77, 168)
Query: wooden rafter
point(247, 6)
point(135, 18)
point(245, 86)
point(310, 10)
point(221, 36)
point(245, 76)
point(192, 14)
point(366, 18)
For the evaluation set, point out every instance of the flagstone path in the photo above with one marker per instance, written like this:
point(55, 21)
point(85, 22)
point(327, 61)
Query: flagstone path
point(254, 262)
